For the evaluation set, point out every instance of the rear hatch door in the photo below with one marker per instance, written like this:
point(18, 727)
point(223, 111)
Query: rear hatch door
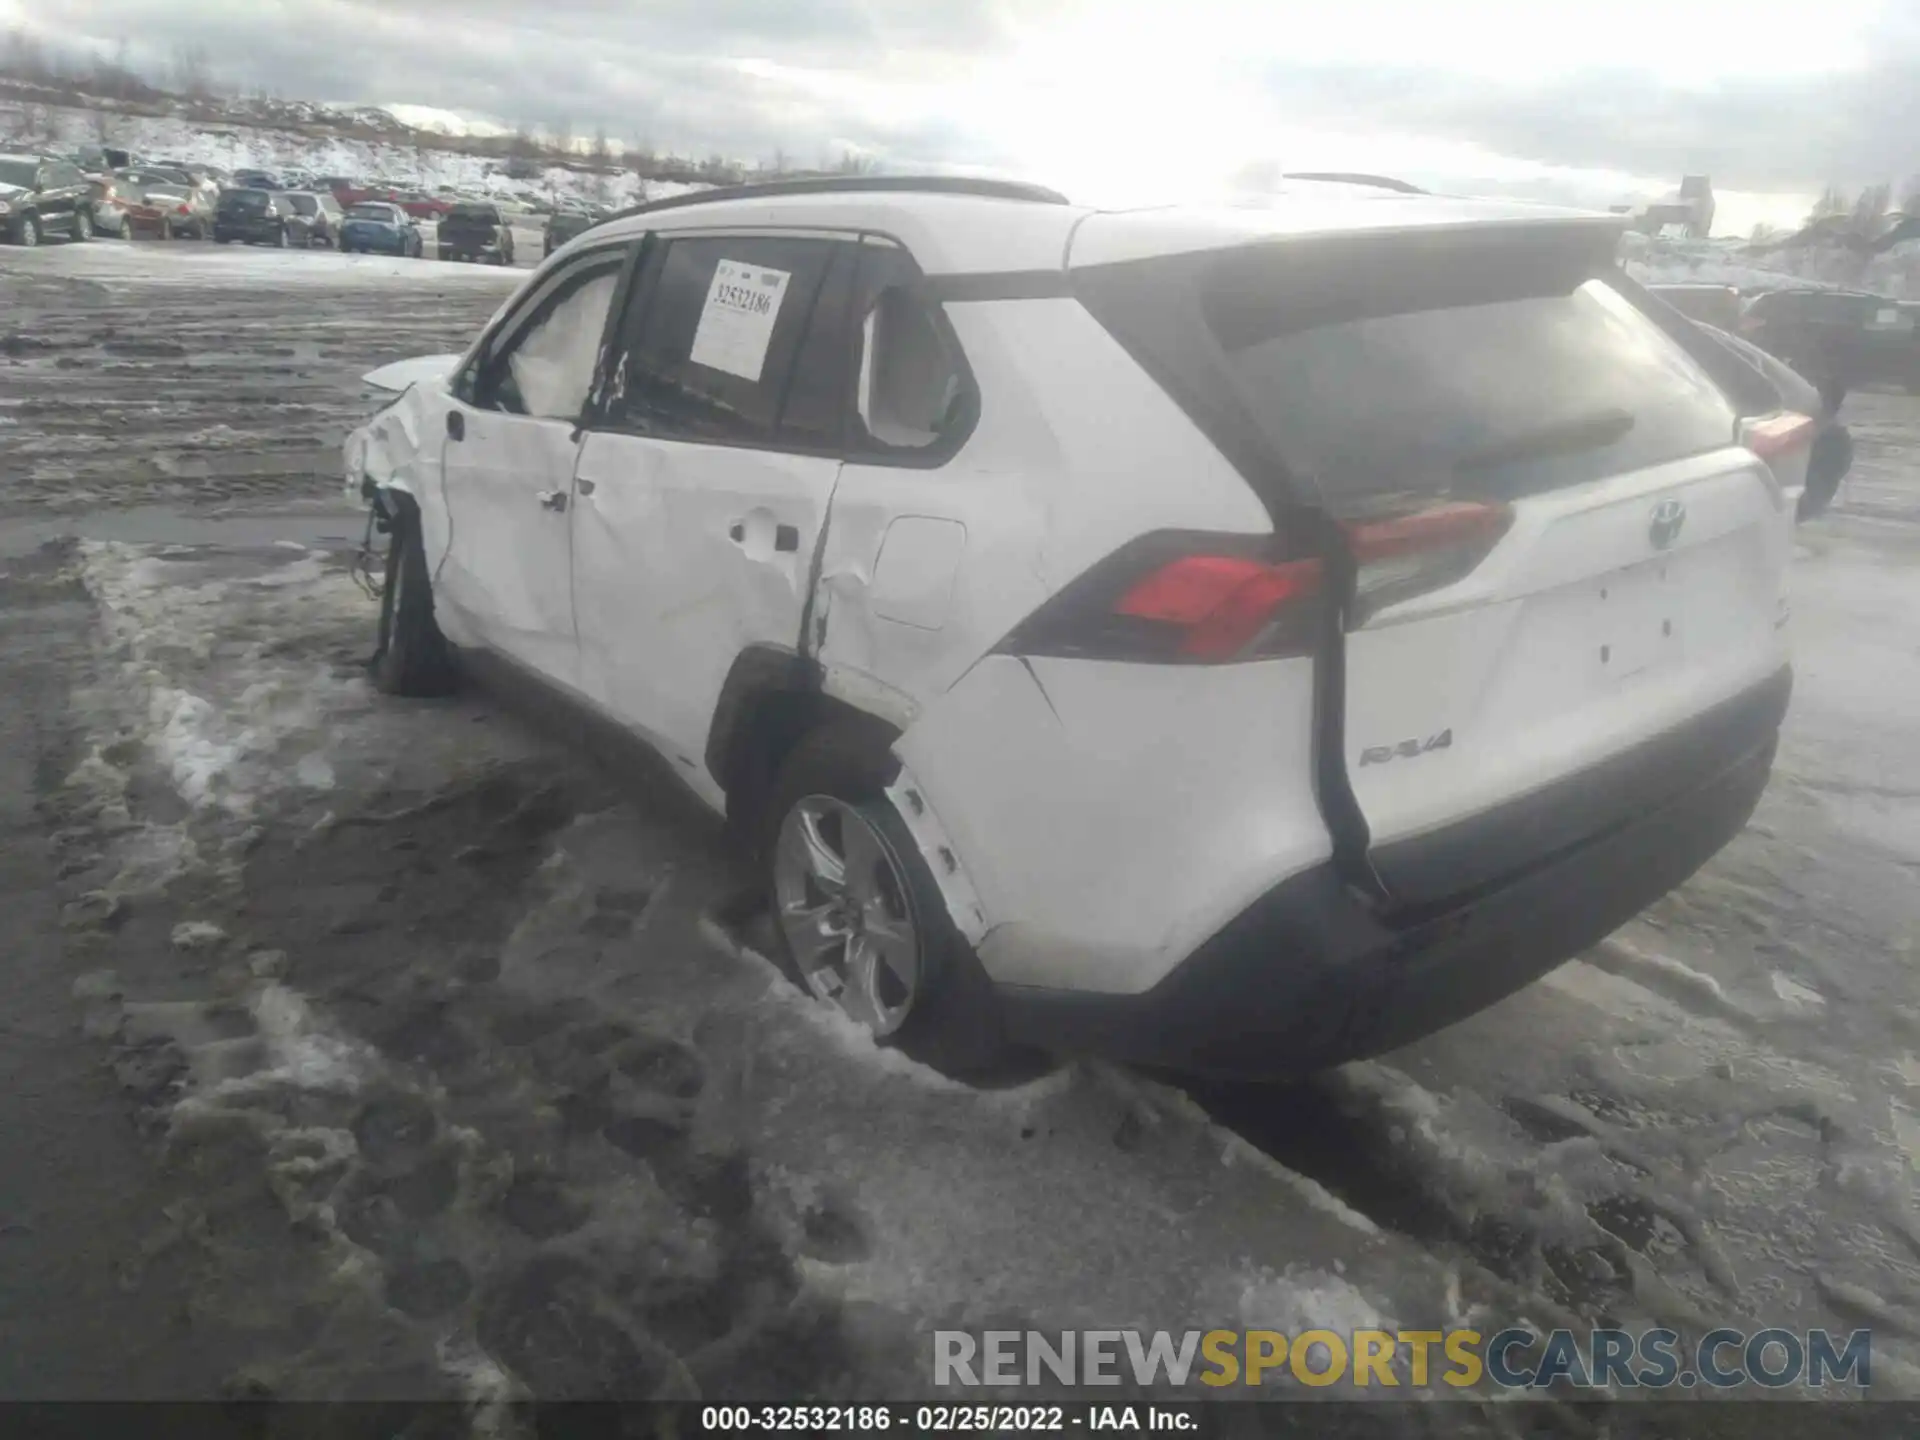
point(1558, 569)
point(1565, 571)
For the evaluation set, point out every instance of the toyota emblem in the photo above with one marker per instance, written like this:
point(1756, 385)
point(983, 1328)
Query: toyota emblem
point(1668, 517)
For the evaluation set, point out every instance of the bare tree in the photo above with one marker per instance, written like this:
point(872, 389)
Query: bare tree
point(1763, 234)
point(192, 72)
point(1833, 201)
point(1870, 209)
point(1910, 195)
point(852, 163)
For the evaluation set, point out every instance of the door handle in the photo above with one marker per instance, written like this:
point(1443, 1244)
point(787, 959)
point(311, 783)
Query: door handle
point(555, 500)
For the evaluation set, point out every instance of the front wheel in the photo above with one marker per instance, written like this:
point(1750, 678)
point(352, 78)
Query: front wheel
point(82, 225)
point(26, 231)
point(280, 239)
point(860, 921)
point(412, 656)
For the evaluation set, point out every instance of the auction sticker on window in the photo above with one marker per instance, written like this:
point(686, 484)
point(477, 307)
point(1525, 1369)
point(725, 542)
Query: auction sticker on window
point(742, 304)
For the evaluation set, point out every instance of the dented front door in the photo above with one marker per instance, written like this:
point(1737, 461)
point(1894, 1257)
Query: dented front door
point(683, 556)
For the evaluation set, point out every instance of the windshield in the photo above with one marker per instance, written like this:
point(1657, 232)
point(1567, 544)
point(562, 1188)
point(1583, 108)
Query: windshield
point(24, 173)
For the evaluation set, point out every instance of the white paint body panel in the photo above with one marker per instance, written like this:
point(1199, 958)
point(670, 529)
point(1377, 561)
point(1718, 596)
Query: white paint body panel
point(1573, 641)
point(507, 559)
point(666, 595)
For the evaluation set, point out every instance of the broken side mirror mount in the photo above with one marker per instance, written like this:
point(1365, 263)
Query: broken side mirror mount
point(456, 425)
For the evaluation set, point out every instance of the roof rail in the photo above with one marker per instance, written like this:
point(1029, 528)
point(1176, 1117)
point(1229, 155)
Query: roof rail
point(1380, 182)
point(857, 184)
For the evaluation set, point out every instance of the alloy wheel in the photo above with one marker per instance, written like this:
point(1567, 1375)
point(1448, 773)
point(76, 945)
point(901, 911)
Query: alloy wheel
point(841, 894)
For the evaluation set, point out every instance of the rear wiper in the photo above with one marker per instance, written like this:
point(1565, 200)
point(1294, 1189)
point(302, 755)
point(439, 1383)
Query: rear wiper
point(1568, 437)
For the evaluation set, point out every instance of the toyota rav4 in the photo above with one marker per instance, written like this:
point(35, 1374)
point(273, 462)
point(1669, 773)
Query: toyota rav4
point(1241, 640)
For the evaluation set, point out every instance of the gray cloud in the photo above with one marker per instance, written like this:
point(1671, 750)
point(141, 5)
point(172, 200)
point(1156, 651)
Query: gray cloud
point(667, 71)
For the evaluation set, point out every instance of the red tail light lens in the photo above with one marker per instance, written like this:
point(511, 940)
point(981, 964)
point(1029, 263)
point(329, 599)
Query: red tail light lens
point(1398, 557)
point(1219, 603)
point(1779, 434)
point(1182, 597)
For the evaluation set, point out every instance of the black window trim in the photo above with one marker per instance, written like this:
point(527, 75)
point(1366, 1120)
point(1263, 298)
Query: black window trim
point(932, 457)
point(507, 328)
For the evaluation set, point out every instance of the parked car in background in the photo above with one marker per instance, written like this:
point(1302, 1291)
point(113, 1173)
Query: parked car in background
point(423, 206)
point(165, 201)
point(41, 195)
point(99, 159)
point(1847, 338)
point(379, 227)
point(1298, 630)
point(566, 222)
point(257, 180)
point(110, 207)
point(313, 218)
point(253, 217)
point(1716, 305)
point(476, 231)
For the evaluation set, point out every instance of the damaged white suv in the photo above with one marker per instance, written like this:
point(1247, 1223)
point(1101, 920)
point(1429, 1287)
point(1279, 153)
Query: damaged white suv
point(1237, 639)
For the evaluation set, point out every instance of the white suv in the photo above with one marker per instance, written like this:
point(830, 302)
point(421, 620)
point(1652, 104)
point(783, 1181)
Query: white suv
point(1239, 639)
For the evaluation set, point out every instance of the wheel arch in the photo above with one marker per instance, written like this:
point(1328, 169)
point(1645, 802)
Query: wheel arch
point(771, 699)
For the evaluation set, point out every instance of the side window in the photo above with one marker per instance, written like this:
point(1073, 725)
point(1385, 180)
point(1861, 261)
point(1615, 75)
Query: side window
point(710, 350)
point(912, 394)
point(543, 367)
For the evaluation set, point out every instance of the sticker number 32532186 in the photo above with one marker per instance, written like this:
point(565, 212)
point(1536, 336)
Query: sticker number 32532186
point(742, 303)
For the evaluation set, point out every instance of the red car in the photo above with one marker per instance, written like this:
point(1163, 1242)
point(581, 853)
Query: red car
point(423, 207)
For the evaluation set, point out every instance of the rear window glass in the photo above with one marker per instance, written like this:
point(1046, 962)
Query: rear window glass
point(371, 212)
point(479, 214)
point(302, 204)
point(1493, 399)
point(244, 200)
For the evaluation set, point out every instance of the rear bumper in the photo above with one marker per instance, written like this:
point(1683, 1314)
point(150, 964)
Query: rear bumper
point(247, 229)
point(1309, 976)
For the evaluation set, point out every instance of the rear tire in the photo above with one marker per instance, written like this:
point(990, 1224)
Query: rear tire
point(82, 226)
point(26, 231)
point(412, 657)
point(952, 1018)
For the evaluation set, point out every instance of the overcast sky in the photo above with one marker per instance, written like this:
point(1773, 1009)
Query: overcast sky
point(1125, 99)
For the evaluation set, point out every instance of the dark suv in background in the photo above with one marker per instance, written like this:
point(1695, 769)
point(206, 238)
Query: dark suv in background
point(1840, 338)
point(566, 222)
point(250, 215)
point(43, 196)
point(473, 230)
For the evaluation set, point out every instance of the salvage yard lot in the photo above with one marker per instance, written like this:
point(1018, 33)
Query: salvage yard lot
point(455, 1071)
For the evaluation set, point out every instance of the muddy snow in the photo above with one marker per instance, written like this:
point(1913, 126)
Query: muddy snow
point(459, 1072)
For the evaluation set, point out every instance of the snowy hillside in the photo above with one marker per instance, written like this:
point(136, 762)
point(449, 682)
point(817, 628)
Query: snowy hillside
point(233, 145)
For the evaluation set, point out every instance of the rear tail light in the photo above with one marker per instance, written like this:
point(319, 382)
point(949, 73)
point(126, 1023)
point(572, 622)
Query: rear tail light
point(1182, 597)
point(1785, 442)
point(1778, 435)
point(1216, 607)
point(1400, 556)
